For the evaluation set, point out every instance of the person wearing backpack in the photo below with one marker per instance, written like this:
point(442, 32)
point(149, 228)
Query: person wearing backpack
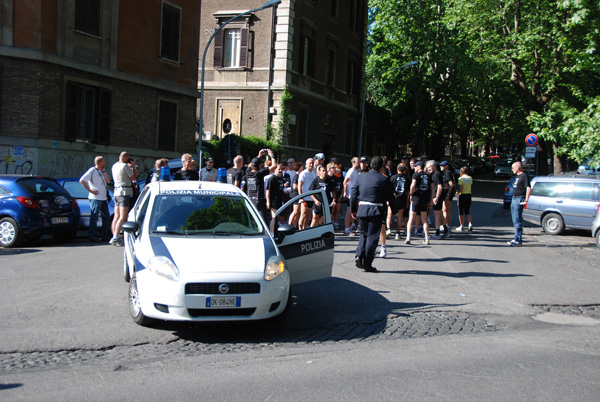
point(401, 184)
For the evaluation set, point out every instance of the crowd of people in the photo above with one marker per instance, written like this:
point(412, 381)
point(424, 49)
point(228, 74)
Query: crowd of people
point(416, 188)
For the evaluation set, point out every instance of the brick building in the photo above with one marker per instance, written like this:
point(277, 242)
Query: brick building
point(315, 49)
point(80, 78)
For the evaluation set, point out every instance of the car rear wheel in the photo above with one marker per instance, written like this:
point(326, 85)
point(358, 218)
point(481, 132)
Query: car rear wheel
point(10, 234)
point(135, 307)
point(553, 224)
point(598, 238)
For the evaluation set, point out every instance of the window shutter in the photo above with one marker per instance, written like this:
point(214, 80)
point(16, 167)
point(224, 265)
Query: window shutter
point(218, 57)
point(104, 117)
point(71, 112)
point(245, 35)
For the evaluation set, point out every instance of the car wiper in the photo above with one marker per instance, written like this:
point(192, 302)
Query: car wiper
point(221, 233)
point(173, 232)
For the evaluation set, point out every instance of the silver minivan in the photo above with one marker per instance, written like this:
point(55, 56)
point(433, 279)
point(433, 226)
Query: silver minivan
point(559, 202)
point(596, 227)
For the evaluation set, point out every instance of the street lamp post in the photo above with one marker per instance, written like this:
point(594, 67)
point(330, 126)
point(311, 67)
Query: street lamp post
point(270, 3)
point(362, 119)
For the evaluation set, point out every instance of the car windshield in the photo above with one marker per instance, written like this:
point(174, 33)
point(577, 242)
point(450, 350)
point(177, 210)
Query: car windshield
point(39, 186)
point(204, 214)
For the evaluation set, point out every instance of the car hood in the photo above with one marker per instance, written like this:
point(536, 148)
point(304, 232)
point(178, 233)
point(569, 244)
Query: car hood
point(223, 254)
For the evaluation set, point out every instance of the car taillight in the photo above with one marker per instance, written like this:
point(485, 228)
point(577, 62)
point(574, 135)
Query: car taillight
point(28, 202)
point(506, 189)
point(75, 204)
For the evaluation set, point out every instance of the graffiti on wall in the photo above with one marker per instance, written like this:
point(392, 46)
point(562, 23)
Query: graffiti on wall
point(56, 162)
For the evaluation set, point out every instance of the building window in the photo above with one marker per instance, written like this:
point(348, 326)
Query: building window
point(355, 15)
point(331, 68)
point(167, 125)
point(87, 16)
point(302, 127)
point(349, 137)
point(307, 59)
point(87, 113)
point(170, 35)
point(353, 82)
point(231, 48)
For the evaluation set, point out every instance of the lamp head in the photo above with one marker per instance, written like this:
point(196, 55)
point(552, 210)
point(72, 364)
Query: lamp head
point(270, 3)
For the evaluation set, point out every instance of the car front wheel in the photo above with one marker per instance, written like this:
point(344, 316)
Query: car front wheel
point(135, 307)
point(553, 224)
point(10, 234)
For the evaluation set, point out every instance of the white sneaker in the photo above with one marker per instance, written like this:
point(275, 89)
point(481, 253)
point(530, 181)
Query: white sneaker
point(382, 252)
point(426, 241)
point(460, 229)
point(388, 233)
point(397, 237)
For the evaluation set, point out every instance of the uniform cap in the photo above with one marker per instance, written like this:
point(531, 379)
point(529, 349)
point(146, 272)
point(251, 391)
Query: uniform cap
point(444, 163)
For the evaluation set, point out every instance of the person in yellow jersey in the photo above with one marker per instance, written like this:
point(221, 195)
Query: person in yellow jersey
point(464, 199)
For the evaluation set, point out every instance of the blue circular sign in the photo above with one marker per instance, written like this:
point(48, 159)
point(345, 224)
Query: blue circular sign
point(531, 140)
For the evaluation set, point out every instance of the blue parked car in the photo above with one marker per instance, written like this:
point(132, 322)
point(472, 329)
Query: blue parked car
point(508, 192)
point(74, 187)
point(32, 206)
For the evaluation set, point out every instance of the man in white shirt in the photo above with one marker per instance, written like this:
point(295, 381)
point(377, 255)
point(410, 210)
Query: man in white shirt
point(208, 172)
point(304, 181)
point(123, 173)
point(95, 181)
point(349, 181)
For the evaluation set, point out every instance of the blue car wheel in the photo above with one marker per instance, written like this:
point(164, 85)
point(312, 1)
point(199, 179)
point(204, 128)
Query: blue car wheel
point(10, 234)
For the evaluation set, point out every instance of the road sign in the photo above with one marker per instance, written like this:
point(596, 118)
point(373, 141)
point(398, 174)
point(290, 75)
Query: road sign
point(530, 152)
point(531, 140)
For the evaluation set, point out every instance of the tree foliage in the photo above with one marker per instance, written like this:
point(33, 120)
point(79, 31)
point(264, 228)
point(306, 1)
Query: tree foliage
point(490, 71)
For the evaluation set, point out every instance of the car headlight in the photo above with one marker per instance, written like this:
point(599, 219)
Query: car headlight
point(275, 267)
point(162, 266)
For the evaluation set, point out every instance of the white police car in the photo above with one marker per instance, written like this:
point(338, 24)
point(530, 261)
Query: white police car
point(198, 251)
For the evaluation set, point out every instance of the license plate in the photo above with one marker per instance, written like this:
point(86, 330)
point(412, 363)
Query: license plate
point(223, 302)
point(59, 220)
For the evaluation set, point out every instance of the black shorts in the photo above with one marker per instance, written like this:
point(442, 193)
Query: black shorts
point(401, 202)
point(439, 205)
point(418, 205)
point(464, 204)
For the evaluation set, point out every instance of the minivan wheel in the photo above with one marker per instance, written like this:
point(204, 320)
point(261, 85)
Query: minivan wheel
point(553, 224)
point(598, 238)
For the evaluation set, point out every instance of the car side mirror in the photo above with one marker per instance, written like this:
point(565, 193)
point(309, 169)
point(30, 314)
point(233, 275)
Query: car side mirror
point(282, 231)
point(130, 227)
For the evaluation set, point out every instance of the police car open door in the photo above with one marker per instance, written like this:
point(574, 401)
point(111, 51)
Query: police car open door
point(308, 253)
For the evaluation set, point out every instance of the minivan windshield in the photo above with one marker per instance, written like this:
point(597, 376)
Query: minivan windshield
point(203, 214)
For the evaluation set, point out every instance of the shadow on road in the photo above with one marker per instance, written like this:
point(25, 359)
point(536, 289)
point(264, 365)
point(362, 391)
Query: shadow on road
point(343, 310)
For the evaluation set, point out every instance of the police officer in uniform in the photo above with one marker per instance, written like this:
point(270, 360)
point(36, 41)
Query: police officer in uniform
point(368, 201)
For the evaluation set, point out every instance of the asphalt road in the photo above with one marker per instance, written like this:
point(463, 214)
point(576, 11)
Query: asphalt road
point(463, 318)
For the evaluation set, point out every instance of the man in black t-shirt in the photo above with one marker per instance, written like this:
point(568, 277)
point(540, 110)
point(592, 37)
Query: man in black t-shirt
point(401, 184)
point(324, 182)
point(275, 194)
point(255, 181)
point(521, 193)
point(449, 191)
point(235, 173)
point(438, 197)
point(421, 189)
